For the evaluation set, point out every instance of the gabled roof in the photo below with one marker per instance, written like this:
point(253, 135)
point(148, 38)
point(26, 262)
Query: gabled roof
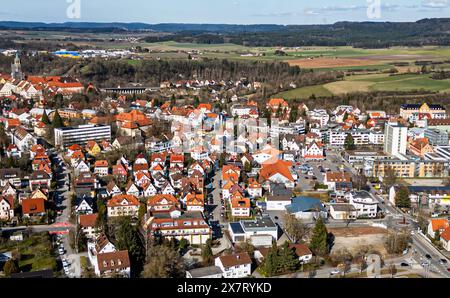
point(280, 167)
point(305, 204)
point(123, 200)
point(439, 224)
point(113, 261)
point(87, 220)
point(300, 249)
point(101, 164)
point(240, 203)
point(446, 234)
point(194, 199)
point(235, 260)
point(33, 206)
point(157, 199)
point(338, 177)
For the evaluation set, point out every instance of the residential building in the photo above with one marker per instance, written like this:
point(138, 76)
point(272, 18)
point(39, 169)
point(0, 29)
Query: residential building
point(253, 230)
point(205, 272)
point(87, 223)
point(6, 208)
point(412, 111)
point(67, 136)
point(307, 208)
point(343, 211)
point(396, 137)
point(437, 137)
point(366, 206)
point(437, 225)
point(338, 181)
point(33, 208)
point(123, 205)
point(278, 198)
point(190, 226)
point(235, 265)
point(445, 239)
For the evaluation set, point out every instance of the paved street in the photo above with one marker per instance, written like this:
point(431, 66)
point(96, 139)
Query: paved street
point(217, 219)
point(64, 204)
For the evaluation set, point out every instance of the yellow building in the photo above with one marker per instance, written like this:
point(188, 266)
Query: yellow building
point(401, 168)
point(410, 168)
point(93, 148)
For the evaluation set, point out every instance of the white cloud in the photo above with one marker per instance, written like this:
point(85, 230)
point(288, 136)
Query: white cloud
point(435, 3)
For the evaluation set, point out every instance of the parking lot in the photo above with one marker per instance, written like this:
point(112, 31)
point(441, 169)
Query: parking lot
point(312, 172)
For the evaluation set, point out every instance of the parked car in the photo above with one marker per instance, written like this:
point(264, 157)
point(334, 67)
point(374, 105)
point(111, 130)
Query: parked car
point(335, 271)
point(404, 264)
point(428, 257)
point(443, 261)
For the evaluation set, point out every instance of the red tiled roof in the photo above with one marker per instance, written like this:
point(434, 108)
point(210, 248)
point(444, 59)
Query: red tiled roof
point(235, 260)
point(87, 220)
point(113, 260)
point(446, 234)
point(33, 206)
point(439, 224)
point(119, 199)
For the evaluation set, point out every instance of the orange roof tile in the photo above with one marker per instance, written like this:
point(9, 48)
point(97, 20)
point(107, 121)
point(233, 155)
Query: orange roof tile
point(439, 224)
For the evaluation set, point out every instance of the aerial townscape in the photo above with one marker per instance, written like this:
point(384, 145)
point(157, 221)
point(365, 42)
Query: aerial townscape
point(158, 153)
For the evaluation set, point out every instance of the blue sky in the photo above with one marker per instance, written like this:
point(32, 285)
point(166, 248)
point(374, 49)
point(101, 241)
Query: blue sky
point(222, 11)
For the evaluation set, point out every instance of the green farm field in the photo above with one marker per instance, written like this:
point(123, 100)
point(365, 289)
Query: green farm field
point(367, 83)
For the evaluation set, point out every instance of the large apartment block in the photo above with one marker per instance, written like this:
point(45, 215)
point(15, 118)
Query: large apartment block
point(67, 136)
point(395, 139)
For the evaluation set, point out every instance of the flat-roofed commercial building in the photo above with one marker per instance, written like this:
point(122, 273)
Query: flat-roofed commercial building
point(67, 136)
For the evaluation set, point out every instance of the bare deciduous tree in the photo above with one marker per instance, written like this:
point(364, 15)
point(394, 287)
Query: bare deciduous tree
point(295, 228)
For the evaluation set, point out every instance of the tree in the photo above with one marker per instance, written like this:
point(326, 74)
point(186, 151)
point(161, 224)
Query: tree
point(57, 120)
point(248, 167)
point(397, 242)
point(422, 221)
point(142, 211)
point(360, 181)
point(45, 118)
point(349, 143)
point(82, 241)
point(402, 199)
point(319, 239)
point(163, 262)
point(196, 101)
point(183, 245)
point(270, 263)
point(287, 259)
point(128, 238)
point(4, 139)
point(247, 247)
point(101, 210)
point(10, 267)
point(293, 116)
point(392, 270)
point(390, 178)
point(207, 254)
point(295, 228)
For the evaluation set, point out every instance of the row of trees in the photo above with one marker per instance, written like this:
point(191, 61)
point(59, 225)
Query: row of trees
point(113, 72)
point(424, 32)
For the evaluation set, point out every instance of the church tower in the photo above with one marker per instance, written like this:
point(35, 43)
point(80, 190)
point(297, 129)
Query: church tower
point(16, 69)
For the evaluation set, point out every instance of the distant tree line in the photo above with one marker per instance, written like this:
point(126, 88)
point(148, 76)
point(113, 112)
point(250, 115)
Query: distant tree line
point(364, 35)
point(120, 71)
